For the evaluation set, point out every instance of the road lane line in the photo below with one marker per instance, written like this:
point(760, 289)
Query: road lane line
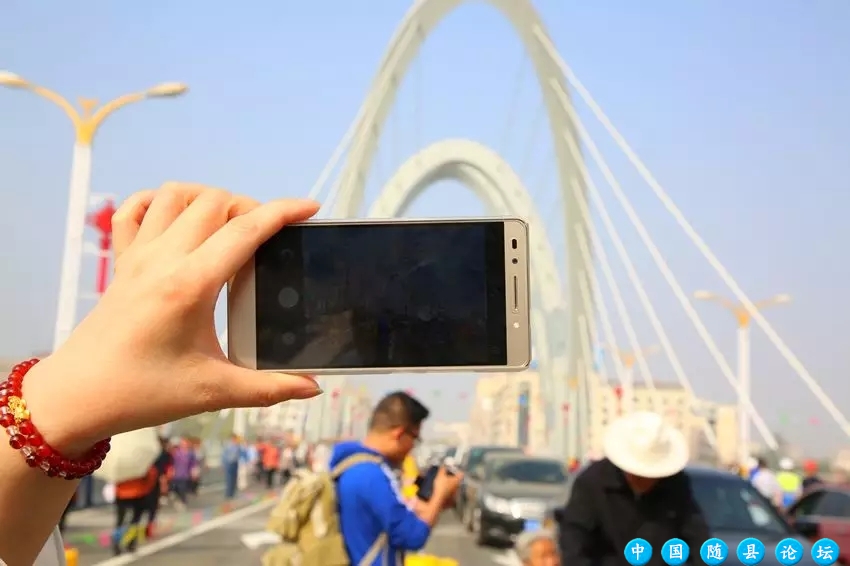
point(183, 536)
point(508, 558)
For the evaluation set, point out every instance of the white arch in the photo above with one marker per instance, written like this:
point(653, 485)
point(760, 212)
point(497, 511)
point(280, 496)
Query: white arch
point(496, 184)
point(419, 21)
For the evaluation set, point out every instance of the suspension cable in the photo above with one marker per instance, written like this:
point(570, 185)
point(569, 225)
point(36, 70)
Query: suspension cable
point(590, 280)
point(663, 267)
point(634, 279)
point(366, 110)
point(592, 330)
point(622, 312)
point(699, 242)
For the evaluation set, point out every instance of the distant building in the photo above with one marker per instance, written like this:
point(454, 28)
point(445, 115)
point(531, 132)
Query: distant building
point(510, 409)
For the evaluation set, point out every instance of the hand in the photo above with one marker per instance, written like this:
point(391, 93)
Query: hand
point(148, 354)
point(446, 485)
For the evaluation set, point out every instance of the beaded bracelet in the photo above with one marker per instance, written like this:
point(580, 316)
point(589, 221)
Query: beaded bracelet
point(23, 436)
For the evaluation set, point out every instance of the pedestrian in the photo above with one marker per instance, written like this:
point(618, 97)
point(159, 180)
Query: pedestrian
point(160, 488)
point(537, 548)
point(765, 482)
point(811, 479)
point(790, 482)
point(231, 456)
point(271, 462)
point(381, 525)
point(287, 463)
point(639, 490)
point(131, 500)
point(258, 450)
point(183, 464)
point(200, 464)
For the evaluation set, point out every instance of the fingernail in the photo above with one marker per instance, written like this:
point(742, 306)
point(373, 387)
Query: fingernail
point(307, 391)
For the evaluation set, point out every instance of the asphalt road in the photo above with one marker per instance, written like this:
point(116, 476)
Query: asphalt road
point(222, 541)
point(88, 530)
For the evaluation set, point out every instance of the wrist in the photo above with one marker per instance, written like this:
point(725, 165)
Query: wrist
point(63, 424)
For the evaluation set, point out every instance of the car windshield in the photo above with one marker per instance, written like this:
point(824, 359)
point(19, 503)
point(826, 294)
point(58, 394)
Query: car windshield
point(529, 471)
point(476, 455)
point(732, 504)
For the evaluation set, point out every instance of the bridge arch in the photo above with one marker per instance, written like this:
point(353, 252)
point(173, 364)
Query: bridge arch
point(419, 21)
point(500, 188)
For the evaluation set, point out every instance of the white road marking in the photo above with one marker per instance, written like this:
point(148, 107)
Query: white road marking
point(260, 538)
point(183, 536)
point(449, 531)
point(508, 558)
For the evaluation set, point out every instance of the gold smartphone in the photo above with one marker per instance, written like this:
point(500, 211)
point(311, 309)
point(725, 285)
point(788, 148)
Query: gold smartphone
point(385, 295)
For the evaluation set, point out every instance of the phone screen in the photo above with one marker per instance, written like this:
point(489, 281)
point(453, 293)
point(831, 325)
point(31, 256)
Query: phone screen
point(378, 295)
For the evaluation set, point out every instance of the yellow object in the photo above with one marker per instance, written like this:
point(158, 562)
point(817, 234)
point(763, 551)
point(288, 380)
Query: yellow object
point(429, 560)
point(72, 556)
point(87, 121)
point(409, 473)
point(19, 410)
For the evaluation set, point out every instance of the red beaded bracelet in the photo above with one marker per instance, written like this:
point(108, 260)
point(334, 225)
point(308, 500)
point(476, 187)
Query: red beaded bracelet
point(23, 436)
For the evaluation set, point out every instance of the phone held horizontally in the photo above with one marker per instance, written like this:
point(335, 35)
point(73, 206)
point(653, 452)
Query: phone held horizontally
point(379, 296)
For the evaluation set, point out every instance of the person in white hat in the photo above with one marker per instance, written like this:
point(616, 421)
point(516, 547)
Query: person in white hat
point(638, 490)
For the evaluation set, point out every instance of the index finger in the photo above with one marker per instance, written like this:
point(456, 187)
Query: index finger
point(127, 220)
point(228, 249)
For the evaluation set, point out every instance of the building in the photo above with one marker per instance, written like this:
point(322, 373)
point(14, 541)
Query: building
point(510, 409)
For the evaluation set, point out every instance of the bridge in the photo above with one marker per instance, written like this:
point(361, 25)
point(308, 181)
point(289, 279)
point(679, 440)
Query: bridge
point(579, 313)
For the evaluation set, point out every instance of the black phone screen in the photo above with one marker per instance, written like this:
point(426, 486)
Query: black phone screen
point(379, 295)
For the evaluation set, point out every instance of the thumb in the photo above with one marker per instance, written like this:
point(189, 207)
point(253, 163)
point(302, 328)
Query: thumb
point(243, 387)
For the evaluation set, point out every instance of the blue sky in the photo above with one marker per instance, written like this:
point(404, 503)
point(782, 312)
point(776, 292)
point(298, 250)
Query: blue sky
point(738, 108)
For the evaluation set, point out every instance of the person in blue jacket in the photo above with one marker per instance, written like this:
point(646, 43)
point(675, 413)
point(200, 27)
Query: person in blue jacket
point(369, 496)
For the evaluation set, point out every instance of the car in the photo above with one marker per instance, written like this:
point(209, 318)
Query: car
point(823, 511)
point(733, 509)
point(513, 495)
point(468, 463)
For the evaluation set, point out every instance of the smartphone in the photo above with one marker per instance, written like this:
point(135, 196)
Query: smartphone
point(388, 295)
point(425, 482)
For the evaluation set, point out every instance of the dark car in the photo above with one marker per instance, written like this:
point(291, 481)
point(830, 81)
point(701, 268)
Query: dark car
point(734, 510)
point(823, 511)
point(469, 464)
point(513, 496)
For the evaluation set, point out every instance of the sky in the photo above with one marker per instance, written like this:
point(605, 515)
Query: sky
point(739, 109)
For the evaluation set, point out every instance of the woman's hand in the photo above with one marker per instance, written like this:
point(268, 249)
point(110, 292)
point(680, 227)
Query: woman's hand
point(148, 353)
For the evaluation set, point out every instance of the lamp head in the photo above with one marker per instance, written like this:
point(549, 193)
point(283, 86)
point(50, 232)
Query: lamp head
point(12, 80)
point(704, 295)
point(166, 90)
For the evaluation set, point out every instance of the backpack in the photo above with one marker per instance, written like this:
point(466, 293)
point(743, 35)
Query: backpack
point(307, 520)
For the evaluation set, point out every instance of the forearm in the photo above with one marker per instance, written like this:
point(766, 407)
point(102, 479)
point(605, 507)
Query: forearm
point(429, 511)
point(31, 505)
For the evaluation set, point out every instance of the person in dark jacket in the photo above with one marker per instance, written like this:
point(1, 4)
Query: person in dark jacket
point(639, 490)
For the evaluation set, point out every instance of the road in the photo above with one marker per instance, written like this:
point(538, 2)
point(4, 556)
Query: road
point(220, 540)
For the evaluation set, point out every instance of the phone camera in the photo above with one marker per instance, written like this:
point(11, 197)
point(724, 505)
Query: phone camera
point(514, 261)
point(288, 297)
point(514, 244)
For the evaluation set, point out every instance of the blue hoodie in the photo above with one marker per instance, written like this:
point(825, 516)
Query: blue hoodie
point(370, 503)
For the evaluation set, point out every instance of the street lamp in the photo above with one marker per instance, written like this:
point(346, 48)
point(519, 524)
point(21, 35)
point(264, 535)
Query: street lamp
point(743, 317)
point(86, 122)
point(628, 358)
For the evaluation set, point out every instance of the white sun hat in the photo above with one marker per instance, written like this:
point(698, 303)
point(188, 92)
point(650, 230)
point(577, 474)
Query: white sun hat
point(642, 444)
